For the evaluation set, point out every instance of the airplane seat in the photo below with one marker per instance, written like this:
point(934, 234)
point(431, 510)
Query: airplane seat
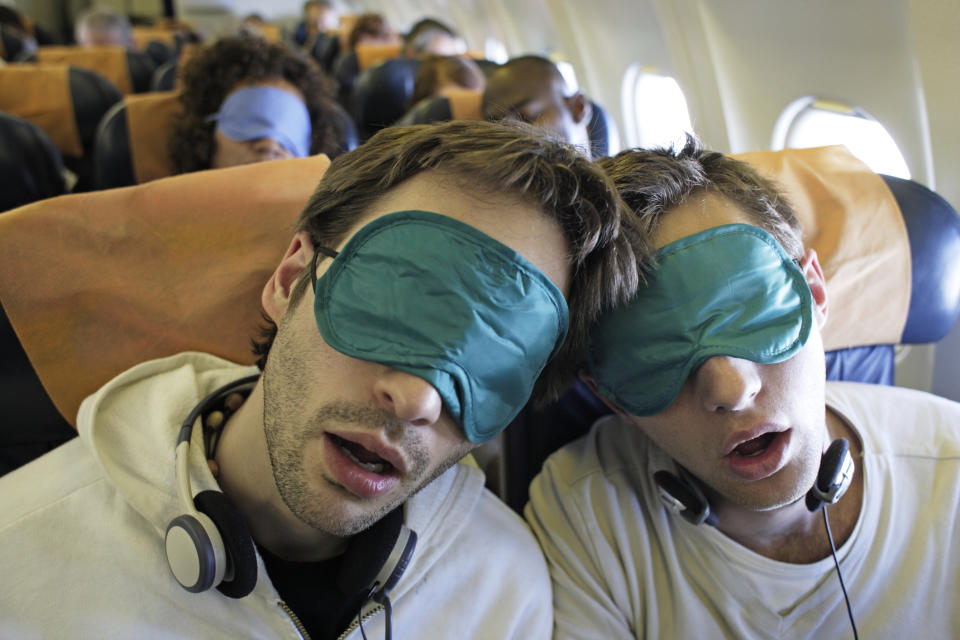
point(933, 244)
point(78, 324)
point(427, 111)
point(66, 102)
point(381, 94)
point(31, 424)
point(933, 227)
point(348, 66)
point(92, 97)
point(13, 47)
point(604, 140)
point(345, 70)
point(933, 231)
point(325, 48)
point(131, 140)
point(457, 104)
point(165, 77)
point(160, 52)
point(142, 67)
point(129, 71)
point(31, 167)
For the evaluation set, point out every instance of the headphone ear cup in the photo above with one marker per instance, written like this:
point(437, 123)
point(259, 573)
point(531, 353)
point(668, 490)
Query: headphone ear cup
point(685, 498)
point(194, 552)
point(240, 573)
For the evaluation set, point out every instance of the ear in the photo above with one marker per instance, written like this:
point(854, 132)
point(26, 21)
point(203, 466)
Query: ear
point(276, 293)
point(579, 107)
point(810, 266)
point(592, 385)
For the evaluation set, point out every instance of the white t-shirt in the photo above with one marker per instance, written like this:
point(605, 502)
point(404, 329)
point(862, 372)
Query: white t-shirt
point(623, 566)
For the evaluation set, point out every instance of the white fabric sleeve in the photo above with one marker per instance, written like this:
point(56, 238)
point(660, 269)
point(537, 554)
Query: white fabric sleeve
point(584, 606)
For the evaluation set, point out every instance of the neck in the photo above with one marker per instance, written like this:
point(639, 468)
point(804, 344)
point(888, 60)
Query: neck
point(246, 476)
point(792, 533)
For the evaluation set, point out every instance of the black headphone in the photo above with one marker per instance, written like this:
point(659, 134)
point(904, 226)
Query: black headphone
point(683, 493)
point(209, 544)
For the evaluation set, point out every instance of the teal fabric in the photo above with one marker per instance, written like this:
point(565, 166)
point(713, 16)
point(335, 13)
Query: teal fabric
point(729, 290)
point(429, 295)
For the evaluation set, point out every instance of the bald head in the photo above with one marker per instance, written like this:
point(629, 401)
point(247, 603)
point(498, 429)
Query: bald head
point(532, 89)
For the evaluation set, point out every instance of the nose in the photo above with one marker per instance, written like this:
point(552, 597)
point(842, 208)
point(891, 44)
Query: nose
point(410, 398)
point(725, 383)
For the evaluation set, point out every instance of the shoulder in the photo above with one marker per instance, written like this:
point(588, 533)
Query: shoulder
point(613, 454)
point(30, 492)
point(896, 420)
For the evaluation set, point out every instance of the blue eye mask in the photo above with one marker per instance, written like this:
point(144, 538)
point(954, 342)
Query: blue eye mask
point(434, 297)
point(730, 290)
point(253, 113)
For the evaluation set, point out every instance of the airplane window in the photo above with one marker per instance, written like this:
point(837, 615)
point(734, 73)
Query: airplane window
point(495, 50)
point(569, 75)
point(816, 123)
point(658, 108)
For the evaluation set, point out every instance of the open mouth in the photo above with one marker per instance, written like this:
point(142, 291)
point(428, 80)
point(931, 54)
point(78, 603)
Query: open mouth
point(363, 457)
point(755, 447)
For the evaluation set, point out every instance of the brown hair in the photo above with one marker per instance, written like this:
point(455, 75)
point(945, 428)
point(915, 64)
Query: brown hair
point(605, 255)
point(435, 72)
point(654, 181)
point(368, 24)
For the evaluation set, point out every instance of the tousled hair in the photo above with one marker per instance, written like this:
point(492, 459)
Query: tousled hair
point(605, 255)
point(654, 181)
point(233, 61)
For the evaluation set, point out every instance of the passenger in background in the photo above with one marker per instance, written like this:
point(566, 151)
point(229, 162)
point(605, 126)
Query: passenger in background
point(253, 25)
point(432, 37)
point(438, 74)
point(323, 471)
point(319, 17)
point(532, 89)
point(371, 28)
point(716, 374)
point(245, 100)
point(102, 27)
point(15, 36)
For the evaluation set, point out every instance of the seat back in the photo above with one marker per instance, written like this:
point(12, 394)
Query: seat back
point(31, 167)
point(131, 141)
point(381, 94)
point(13, 46)
point(165, 77)
point(324, 50)
point(348, 65)
point(930, 277)
point(136, 277)
point(67, 103)
point(129, 71)
point(457, 104)
point(604, 137)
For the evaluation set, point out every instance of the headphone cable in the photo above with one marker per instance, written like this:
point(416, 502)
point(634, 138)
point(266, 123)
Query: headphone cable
point(388, 611)
point(843, 587)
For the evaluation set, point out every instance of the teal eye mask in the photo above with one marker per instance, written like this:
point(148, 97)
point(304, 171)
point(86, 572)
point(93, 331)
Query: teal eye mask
point(431, 296)
point(729, 290)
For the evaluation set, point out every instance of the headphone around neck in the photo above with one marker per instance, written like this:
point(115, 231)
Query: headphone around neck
point(682, 493)
point(209, 544)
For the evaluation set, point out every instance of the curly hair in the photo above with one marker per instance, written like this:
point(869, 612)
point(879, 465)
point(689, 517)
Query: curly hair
point(607, 253)
point(209, 77)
